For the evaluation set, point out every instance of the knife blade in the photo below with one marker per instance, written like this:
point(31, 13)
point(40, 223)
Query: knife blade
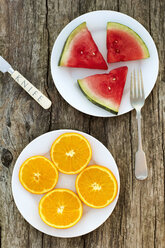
point(25, 84)
point(5, 66)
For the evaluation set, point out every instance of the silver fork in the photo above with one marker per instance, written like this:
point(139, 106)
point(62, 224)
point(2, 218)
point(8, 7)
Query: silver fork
point(137, 101)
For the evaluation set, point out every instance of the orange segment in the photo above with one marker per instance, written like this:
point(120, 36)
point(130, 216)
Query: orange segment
point(96, 186)
point(71, 153)
point(60, 208)
point(38, 175)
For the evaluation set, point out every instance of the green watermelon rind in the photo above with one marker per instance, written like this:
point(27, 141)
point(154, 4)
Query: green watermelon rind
point(119, 26)
point(68, 41)
point(113, 111)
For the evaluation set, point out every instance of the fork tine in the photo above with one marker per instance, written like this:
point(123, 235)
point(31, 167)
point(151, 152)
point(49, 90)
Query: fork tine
point(142, 88)
point(131, 90)
point(139, 95)
point(134, 84)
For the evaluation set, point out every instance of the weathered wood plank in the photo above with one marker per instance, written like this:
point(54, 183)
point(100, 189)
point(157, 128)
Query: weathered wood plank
point(23, 37)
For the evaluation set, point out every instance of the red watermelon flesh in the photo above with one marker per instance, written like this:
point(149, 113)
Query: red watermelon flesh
point(124, 44)
point(81, 51)
point(105, 90)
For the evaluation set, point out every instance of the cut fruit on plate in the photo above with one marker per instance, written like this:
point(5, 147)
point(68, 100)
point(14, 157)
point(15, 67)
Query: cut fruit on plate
point(38, 175)
point(124, 44)
point(81, 51)
point(71, 153)
point(105, 90)
point(96, 186)
point(60, 208)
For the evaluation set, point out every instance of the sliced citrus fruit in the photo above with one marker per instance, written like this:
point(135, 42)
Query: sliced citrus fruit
point(60, 208)
point(71, 153)
point(96, 186)
point(38, 175)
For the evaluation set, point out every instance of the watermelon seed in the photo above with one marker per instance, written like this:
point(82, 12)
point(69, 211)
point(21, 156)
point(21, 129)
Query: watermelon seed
point(113, 78)
point(93, 53)
point(81, 52)
point(115, 41)
point(109, 88)
point(117, 51)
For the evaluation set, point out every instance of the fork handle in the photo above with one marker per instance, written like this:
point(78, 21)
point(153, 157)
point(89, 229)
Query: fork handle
point(140, 158)
point(138, 117)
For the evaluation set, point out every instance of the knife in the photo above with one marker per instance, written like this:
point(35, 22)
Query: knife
point(25, 84)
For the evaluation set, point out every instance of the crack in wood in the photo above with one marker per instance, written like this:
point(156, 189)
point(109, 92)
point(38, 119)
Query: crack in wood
point(35, 24)
point(132, 154)
point(0, 236)
point(149, 16)
point(42, 241)
point(48, 64)
point(155, 230)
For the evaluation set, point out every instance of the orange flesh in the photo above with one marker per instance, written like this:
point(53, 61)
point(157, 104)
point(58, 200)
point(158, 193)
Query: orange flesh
point(60, 208)
point(96, 186)
point(38, 175)
point(71, 153)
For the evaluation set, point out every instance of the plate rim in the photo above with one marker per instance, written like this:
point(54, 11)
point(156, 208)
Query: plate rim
point(45, 134)
point(83, 15)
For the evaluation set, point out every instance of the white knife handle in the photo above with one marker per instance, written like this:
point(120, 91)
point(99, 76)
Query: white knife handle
point(31, 90)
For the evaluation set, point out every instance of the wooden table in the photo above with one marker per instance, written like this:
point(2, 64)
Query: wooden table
point(28, 30)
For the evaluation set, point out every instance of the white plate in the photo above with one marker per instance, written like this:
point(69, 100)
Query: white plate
point(65, 79)
point(27, 203)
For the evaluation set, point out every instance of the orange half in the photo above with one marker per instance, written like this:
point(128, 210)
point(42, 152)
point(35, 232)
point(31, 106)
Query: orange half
point(38, 175)
point(60, 208)
point(96, 186)
point(71, 153)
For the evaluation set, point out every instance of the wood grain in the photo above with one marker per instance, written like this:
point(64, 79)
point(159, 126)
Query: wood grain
point(28, 30)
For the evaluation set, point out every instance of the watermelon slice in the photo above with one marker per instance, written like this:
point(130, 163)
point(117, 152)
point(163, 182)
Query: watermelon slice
point(124, 44)
point(105, 90)
point(80, 50)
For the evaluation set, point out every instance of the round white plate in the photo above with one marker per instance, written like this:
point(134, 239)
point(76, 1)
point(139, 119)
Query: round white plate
point(65, 79)
point(27, 203)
